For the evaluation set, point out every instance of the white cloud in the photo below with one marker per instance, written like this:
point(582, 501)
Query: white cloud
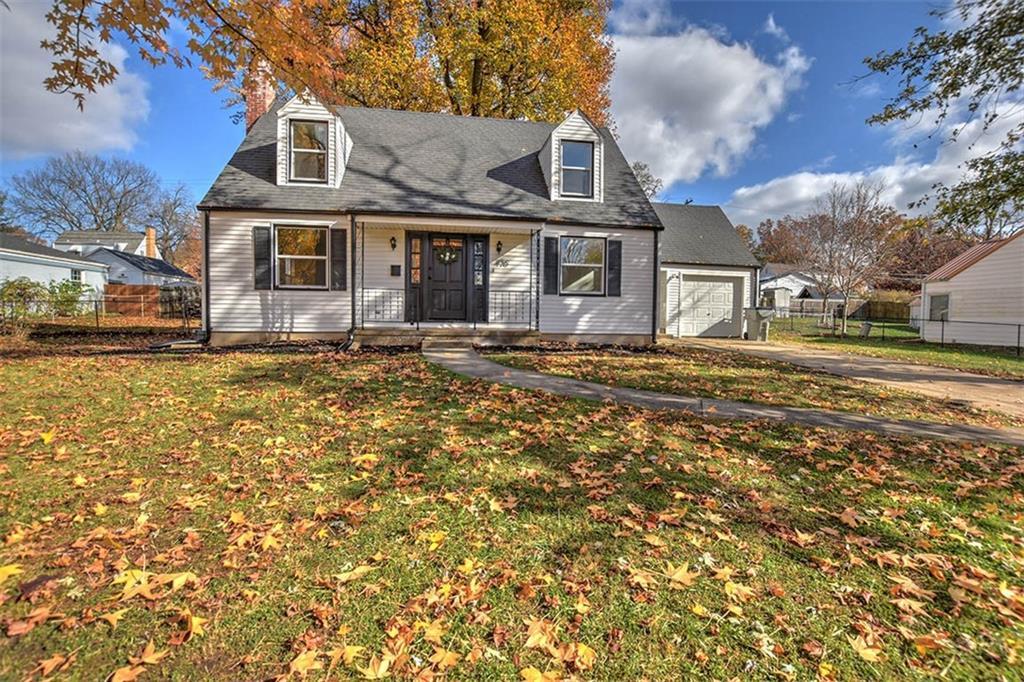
point(642, 17)
point(773, 29)
point(36, 122)
point(690, 101)
point(907, 179)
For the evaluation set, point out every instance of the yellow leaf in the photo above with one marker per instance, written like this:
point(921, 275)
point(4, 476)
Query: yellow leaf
point(468, 565)
point(699, 610)
point(237, 518)
point(132, 496)
point(738, 591)
point(114, 617)
point(356, 573)
point(585, 656)
point(680, 578)
point(377, 669)
point(534, 675)
point(79, 481)
point(48, 436)
point(654, 540)
point(869, 652)
point(8, 571)
point(100, 509)
point(444, 659)
point(305, 662)
point(129, 673)
point(149, 655)
point(351, 653)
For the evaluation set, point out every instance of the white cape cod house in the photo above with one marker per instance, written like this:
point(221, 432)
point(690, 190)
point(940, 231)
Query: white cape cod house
point(389, 225)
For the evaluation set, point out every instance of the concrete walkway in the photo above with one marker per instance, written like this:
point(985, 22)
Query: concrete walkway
point(469, 363)
point(990, 393)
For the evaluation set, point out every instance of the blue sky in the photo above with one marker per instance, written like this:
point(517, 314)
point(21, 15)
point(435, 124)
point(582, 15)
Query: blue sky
point(751, 105)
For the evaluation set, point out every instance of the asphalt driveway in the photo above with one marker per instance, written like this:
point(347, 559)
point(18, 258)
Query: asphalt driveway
point(991, 393)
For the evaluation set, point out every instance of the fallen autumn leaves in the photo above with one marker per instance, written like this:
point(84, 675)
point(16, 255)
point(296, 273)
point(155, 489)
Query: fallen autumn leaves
point(255, 516)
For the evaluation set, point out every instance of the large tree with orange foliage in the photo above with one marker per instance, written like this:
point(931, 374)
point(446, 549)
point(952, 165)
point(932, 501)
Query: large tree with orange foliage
point(532, 59)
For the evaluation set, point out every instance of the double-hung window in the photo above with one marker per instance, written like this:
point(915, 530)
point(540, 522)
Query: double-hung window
point(308, 141)
point(582, 265)
point(938, 307)
point(577, 169)
point(76, 275)
point(301, 257)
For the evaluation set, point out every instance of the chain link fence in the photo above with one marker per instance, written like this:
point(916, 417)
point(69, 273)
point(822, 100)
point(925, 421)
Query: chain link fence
point(1004, 335)
point(174, 307)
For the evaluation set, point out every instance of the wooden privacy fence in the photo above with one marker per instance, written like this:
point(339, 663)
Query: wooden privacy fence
point(817, 306)
point(137, 300)
point(884, 310)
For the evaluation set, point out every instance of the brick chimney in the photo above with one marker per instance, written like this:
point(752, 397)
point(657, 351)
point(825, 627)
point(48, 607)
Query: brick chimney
point(151, 242)
point(258, 91)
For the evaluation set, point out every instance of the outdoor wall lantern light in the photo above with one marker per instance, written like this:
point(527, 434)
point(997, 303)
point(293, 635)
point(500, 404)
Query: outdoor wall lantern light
point(394, 243)
point(498, 247)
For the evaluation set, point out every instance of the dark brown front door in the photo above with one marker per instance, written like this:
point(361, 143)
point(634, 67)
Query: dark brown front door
point(446, 278)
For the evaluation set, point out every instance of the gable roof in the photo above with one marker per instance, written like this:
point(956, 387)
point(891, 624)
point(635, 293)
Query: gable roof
point(415, 163)
point(701, 235)
point(153, 266)
point(101, 237)
point(969, 258)
point(10, 242)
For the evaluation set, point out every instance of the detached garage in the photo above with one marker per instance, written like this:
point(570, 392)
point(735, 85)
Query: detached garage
point(708, 275)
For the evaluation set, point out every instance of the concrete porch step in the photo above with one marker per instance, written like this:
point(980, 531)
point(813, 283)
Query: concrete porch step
point(447, 343)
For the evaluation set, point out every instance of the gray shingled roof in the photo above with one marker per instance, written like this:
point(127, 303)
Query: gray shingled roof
point(14, 243)
point(417, 163)
point(151, 265)
point(101, 237)
point(701, 235)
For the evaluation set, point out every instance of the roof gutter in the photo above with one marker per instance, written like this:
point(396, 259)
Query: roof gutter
point(447, 216)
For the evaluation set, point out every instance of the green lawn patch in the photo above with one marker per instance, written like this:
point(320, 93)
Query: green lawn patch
point(735, 376)
point(901, 343)
point(354, 515)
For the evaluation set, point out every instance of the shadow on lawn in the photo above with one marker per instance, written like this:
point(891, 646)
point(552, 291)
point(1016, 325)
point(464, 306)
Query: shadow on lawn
point(753, 479)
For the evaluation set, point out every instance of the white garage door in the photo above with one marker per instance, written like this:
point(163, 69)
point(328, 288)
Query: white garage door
point(705, 306)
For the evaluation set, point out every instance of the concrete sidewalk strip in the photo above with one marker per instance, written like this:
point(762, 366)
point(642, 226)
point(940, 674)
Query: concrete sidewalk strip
point(993, 393)
point(468, 362)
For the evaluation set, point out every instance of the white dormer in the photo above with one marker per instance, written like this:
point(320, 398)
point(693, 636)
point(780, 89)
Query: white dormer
point(575, 154)
point(312, 144)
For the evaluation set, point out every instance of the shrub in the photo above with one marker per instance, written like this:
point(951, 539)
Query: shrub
point(20, 299)
point(66, 297)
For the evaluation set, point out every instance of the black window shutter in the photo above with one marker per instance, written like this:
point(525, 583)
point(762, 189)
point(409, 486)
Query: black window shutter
point(262, 260)
point(614, 268)
point(338, 253)
point(550, 265)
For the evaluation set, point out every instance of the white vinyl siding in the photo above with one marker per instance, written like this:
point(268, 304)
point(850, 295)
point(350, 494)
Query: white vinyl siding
point(235, 304)
point(576, 128)
point(630, 313)
point(991, 290)
point(45, 270)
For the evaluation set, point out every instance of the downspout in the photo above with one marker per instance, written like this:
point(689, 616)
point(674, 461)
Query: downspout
point(207, 328)
point(654, 295)
point(352, 279)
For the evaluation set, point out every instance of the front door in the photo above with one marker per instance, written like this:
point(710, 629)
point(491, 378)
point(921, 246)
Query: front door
point(446, 278)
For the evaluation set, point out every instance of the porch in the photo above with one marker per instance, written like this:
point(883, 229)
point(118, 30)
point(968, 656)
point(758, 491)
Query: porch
point(427, 278)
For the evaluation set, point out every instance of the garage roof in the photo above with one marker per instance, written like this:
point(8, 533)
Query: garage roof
point(969, 258)
point(701, 235)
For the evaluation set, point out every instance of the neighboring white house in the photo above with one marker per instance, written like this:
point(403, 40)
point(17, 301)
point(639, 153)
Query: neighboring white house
point(708, 275)
point(23, 258)
point(978, 297)
point(915, 312)
point(790, 277)
point(330, 221)
point(84, 242)
point(130, 268)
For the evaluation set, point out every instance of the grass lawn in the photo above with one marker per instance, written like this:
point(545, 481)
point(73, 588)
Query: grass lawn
point(902, 343)
point(247, 516)
point(735, 376)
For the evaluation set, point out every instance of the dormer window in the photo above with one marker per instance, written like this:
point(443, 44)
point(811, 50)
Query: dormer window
point(308, 141)
point(577, 169)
